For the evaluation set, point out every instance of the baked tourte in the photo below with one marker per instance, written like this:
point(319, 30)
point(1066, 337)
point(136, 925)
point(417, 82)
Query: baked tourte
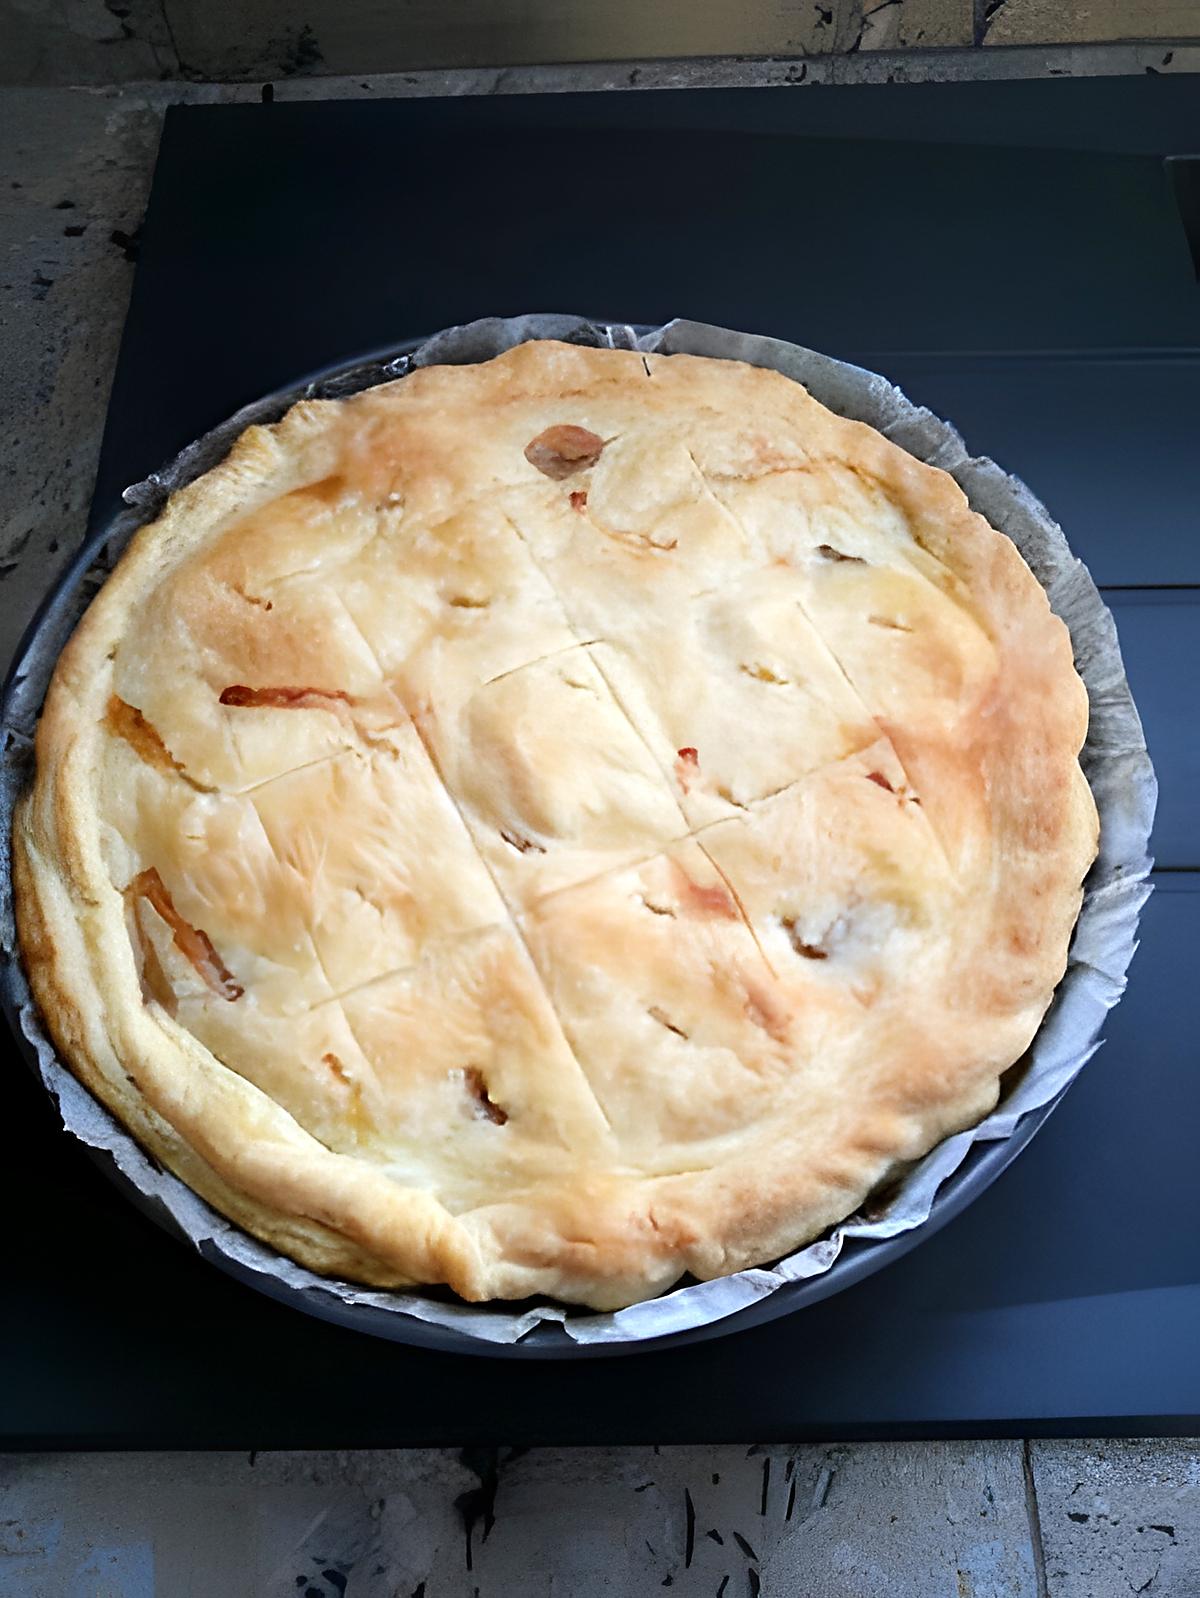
point(556, 824)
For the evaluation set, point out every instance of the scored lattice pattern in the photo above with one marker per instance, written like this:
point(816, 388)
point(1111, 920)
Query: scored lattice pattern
point(544, 816)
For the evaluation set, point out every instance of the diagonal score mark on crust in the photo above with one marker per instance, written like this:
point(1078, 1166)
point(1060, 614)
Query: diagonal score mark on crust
point(639, 735)
point(366, 642)
point(713, 497)
point(695, 834)
point(517, 929)
point(512, 923)
point(347, 752)
point(589, 644)
point(545, 576)
point(287, 870)
point(320, 964)
point(741, 909)
point(854, 689)
point(872, 483)
point(333, 997)
point(346, 1021)
point(866, 710)
point(449, 941)
point(552, 654)
point(302, 573)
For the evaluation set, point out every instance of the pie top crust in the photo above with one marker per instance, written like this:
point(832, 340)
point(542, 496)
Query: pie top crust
point(556, 824)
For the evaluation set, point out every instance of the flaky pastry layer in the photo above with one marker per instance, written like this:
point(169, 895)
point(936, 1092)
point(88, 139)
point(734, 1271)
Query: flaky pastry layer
point(554, 825)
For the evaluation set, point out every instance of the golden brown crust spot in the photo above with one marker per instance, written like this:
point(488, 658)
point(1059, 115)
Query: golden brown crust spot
point(280, 698)
point(192, 942)
point(484, 1104)
point(704, 899)
point(561, 451)
point(127, 723)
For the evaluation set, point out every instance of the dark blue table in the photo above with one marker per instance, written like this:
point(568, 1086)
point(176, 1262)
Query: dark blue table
point(1013, 254)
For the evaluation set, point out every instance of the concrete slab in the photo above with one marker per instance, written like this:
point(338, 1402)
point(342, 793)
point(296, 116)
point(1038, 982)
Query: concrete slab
point(117, 41)
point(862, 1521)
point(74, 173)
point(917, 24)
point(1088, 21)
point(874, 62)
point(1119, 1517)
point(84, 41)
point(224, 39)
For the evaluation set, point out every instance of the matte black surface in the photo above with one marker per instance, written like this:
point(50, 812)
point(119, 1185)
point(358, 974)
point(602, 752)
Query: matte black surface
point(1159, 631)
point(284, 237)
point(1134, 517)
point(287, 237)
point(1066, 1298)
point(1184, 172)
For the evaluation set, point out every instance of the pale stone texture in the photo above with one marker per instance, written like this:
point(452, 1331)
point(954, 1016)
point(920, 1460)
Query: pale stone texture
point(916, 24)
point(84, 41)
point(1119, 1517)
point(1033, 61)
point(74, 173)
point(1089, 21)
point(109, 41)
point(861, 1521)
point(273, 38)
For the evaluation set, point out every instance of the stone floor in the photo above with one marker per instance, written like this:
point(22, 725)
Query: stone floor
point(75, 166)
point(866, 1520)
point(103, 41)
point(968, 1520)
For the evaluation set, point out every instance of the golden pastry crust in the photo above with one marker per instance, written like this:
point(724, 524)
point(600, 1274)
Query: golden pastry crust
point(553, 825)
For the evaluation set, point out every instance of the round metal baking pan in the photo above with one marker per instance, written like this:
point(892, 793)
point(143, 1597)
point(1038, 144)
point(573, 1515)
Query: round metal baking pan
point(51, 625)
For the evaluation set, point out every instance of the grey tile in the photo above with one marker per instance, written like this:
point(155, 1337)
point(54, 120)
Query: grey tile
point(917, 24)
point(74, 173)
point(224, 39)
point(196, 1525)
point(1119, 1517)
point(1089, 21)
point(1018, 62)
point(874, 64)
point(863, 1521)
point(913, 1518)
point(83, 41)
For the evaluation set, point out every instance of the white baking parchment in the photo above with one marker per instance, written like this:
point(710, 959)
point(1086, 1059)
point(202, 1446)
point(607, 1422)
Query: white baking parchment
point(1114, 759)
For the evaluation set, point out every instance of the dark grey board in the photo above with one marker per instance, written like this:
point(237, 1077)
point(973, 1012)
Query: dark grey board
point(908, 226)
point(1065, 1299)
point(1111, 439)
point(1160, 641)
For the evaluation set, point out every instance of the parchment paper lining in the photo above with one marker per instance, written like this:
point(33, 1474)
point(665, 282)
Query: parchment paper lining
point(1114, 758)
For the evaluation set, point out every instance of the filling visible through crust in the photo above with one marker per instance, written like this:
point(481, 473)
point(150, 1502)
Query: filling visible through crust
point(572, 821)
